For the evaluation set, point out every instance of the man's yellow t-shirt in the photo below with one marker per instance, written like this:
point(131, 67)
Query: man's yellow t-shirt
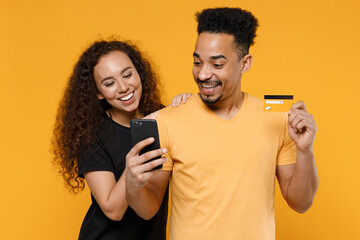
point(223, 171)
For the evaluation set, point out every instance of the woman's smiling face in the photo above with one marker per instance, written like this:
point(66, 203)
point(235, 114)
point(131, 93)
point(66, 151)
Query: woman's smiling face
point(118, 82)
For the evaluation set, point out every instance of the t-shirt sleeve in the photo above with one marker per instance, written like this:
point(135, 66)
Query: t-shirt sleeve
point(164, 142)
point(287, 152)
point(95, 159)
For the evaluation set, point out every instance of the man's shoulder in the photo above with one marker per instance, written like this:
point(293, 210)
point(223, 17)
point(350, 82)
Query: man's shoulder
point(254, 101)
point(175, 112)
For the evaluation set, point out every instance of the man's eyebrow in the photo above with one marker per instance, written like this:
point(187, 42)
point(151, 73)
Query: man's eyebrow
point(212, 57)
point(111, 77)
point(217, 57)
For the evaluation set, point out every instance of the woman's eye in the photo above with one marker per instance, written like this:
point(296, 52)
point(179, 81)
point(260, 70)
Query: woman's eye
point(197, 63)
point(109, 84)
point(128, 75)
point(218, 65)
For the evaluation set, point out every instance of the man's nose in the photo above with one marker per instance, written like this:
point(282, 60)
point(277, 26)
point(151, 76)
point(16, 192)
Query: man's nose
point(205, 72)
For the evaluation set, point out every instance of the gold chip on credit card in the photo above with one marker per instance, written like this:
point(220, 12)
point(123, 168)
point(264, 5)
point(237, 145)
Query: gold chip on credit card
point(278, 103)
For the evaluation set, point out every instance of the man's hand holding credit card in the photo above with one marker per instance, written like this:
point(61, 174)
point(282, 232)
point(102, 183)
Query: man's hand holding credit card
point(302, 126)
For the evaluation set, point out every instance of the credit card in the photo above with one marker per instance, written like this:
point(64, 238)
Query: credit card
point(278, 103)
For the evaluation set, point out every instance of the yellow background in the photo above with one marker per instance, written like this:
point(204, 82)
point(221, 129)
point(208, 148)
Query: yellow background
point(307, 48)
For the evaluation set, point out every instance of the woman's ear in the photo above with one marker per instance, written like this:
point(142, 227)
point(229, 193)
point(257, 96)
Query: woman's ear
point(100, 96)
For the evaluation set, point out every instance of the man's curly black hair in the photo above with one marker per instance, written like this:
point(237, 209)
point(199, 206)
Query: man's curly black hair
point(234, 21)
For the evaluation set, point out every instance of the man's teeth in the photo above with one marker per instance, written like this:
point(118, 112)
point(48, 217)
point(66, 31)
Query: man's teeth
point(127, 97)
point(208, 86)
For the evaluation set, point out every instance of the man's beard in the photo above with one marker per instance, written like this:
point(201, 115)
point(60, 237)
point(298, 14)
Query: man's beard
point(205, 99)
point(209, 101)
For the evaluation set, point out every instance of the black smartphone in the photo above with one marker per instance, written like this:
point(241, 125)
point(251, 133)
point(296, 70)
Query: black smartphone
point(144, 128)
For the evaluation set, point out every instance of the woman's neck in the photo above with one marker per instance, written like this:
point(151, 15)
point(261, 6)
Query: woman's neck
point(123, 118)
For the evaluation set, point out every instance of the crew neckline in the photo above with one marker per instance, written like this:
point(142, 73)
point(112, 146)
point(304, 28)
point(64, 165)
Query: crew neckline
point(116, 123)
point(237, 115)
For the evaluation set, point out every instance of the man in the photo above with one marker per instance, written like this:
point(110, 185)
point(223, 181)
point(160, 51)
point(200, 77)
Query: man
point(223, 150)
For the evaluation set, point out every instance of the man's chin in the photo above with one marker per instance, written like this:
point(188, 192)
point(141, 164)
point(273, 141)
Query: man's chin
point(210, 100)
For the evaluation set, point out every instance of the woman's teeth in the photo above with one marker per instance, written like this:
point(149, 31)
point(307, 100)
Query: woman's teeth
point(127, 97)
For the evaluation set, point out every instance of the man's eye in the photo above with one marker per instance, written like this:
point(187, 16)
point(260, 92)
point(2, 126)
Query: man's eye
point(128, 75)
point(218, 65)
point(197, 63)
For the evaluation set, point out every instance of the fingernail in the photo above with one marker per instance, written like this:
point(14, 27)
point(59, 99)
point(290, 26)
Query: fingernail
point(163, 150)
point(289, 112)
point(151, 139)
point(166, 159)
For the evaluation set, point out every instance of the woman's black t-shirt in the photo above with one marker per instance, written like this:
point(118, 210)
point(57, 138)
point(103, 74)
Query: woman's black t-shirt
point(108, 154)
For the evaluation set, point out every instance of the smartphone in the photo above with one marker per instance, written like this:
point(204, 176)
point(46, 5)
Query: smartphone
point(144, 128)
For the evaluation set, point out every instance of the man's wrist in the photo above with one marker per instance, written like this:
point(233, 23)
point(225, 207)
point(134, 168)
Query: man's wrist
point(309, 152)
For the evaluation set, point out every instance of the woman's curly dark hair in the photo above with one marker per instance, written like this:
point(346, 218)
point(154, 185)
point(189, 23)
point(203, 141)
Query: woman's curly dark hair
point(81, 113)
point(235, 21)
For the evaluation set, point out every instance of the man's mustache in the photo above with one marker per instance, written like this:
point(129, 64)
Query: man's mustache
point(209, 81)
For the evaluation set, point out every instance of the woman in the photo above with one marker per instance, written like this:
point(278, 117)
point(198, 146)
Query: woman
point(111, 83)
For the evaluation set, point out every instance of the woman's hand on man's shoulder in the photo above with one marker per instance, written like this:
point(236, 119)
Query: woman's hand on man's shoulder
point(181, 98)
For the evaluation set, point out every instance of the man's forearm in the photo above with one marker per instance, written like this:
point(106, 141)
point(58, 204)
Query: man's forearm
point(304, 182)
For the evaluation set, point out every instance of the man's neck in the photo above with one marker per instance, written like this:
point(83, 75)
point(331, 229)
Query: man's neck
point(228, 108)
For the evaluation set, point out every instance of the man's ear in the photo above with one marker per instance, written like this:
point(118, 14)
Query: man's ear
point(247, 62)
